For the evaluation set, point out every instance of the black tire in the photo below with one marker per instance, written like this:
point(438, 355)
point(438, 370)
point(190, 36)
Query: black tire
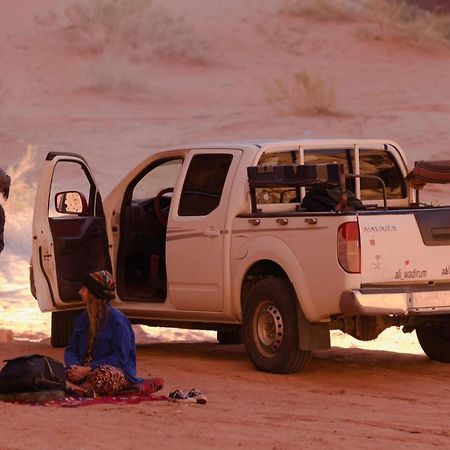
point(271, 327)
point(435, 341)
point(62, 327)
point(230, 337)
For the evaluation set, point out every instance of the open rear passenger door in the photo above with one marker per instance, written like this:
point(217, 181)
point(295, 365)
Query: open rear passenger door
point(69, 231)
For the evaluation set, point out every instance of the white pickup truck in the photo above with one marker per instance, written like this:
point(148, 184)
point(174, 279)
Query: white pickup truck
point(217, 237)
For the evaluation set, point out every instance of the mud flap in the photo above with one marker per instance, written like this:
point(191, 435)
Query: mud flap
point(312, 336)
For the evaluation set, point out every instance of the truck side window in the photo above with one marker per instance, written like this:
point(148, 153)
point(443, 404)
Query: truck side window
point(372, 162)
point(204, 183)
point(381, 164)
point(162, 175)
point(283, 195)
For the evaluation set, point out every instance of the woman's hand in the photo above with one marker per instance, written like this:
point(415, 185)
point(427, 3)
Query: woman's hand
point(77, 373)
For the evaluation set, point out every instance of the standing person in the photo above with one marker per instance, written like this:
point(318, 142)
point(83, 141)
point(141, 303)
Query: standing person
point(5, 182)
point(101, 354)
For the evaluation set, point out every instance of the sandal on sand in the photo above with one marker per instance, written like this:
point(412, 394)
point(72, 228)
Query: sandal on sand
point(193, 396)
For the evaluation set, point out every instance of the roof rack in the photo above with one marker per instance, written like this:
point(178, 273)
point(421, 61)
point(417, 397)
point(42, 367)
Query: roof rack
point(296, 176)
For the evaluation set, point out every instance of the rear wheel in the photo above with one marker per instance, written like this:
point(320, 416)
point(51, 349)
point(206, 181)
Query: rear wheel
point(271, 327)
point(435, 340)
point(62, 327)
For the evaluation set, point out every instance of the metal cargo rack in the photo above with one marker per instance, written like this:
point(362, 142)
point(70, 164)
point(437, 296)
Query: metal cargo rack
point(295, 176)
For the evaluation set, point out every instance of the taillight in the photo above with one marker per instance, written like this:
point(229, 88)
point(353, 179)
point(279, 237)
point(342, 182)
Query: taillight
point(349, 251)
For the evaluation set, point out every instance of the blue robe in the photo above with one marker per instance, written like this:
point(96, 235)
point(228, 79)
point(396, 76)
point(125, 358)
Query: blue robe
point(114, 344)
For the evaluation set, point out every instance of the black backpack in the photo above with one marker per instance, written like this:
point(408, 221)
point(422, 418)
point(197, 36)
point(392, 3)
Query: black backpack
point(32, 373)
point(323, 198)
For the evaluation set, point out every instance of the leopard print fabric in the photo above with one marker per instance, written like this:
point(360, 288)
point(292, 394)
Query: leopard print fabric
point(107, 380)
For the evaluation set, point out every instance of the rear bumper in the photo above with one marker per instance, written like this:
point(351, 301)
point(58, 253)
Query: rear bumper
point(357, 303)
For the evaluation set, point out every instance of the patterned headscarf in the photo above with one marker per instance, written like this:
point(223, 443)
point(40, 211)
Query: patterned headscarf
point(101, 284)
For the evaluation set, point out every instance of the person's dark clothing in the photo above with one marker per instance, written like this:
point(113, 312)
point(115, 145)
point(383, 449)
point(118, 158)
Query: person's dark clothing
point(323, 198)
point(2, 227)
point(114, 344)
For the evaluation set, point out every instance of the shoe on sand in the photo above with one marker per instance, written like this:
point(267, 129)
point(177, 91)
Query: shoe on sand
point(198, 396)
point(181, 397)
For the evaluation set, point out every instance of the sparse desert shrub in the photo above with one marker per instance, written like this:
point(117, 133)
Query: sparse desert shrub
point(139, 29)
point(322, 9)
point(391, 17)
point(112, 72)
point(410, 22)
point(306, 93)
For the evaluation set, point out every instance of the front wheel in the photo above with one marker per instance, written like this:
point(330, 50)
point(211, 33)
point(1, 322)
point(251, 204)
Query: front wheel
point(271, 327)
point(435, 340)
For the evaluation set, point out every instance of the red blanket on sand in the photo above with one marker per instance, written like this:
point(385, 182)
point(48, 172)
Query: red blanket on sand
point(136, 393)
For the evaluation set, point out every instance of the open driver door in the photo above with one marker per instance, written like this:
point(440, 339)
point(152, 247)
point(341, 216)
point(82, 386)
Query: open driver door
point(69, 238)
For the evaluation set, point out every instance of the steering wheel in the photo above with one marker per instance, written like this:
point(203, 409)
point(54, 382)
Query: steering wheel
point(160, 215)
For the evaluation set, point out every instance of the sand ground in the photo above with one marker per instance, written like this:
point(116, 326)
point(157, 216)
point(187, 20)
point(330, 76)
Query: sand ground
point(348, 398)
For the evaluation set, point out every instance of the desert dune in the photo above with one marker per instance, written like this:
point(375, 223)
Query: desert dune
point(210, 70)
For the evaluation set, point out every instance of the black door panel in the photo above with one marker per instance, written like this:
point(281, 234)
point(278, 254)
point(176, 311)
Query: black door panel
point(80, 246)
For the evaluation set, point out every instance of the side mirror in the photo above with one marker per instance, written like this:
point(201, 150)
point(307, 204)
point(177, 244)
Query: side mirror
point(71, 202)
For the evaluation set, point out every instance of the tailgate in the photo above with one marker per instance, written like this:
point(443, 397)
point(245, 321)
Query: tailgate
point(405, 249)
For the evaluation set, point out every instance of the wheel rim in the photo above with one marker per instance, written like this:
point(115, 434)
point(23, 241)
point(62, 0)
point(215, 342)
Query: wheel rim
point(268, 328)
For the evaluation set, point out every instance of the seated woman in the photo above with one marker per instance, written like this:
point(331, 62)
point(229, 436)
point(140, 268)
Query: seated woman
point(101, 354)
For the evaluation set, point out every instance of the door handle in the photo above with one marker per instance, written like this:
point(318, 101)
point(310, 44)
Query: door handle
point(211, 233)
